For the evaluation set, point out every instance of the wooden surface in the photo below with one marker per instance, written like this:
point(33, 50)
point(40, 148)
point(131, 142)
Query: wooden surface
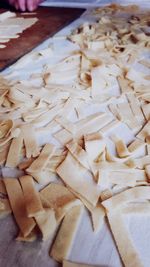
point(51, 20)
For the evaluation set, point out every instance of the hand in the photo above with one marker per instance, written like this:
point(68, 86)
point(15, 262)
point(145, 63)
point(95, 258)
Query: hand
point(25, 5)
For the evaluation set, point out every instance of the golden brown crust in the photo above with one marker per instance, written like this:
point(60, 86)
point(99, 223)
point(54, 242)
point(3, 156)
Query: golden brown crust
point(31, 196)
point(17, 203)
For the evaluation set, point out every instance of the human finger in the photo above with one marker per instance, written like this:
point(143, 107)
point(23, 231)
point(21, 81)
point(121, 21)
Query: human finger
point(16, 5)
point(22, 5)
point(11, 2)
point(31, 5)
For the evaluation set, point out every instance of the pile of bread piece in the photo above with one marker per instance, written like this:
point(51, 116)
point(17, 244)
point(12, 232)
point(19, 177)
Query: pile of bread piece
point(63, 128)
point(12, 26)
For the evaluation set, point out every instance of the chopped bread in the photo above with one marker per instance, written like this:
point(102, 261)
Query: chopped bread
point(75, 176)
point(5, 208)
point(80, 128)
point(59, 198)
point(65, 237)
point(32, 198)
point(30, 238)
point(12, 26)
point(47, 223)
point(73, 264)
point(123, 241)
point(17, 202)
point(43, 158)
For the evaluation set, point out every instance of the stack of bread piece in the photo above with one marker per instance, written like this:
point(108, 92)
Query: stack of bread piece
point(11, 26)
point(65, 129)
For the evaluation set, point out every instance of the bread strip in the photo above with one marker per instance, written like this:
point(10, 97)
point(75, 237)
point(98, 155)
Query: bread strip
point(42, 160)
point(62, 211)
point(54, 162)
point(148, 149)
point(137, 76)
point(55, 75)
point(30, 238)
point(79, 154)
point(57, 195)
point(59, 198)
point(123, 241)
point(47, 223)
point(103, 179)
point(146, 111)
point(65, 237)
point(124, 84)
point(98, 81)
point(135, 107)
point(92, 123)
point(5, 208)
point(145, 63)
point(31, 145)
point(73, 264)
point(28, 14)
point(136, 145)
point(42, 177)
point(128, 178)
point(25, 164)
point(115, 111)
point(97, 213)
point(48, 116)
point(32, 199)
point(144, 132)
point(66, 124)
point(2, 187)
point(88, 125)
point(63, 136)
point(109, 127)
point(13, 156)
point(2, 206)
point(75, 176)
point(147, 170)
point(6, 15)
point(111, 166)
point(50, 127)
point(4, 153)
point(112, 158)
point(121, 147)
point(123, 178)
point(13, 134)
point(10, 36)
point(2, 96)
point(94, 145)
point(69, 106)
point(128, 117)
point(5, 128)
point(137, 193)
point(145, 97)
point(17, 203)
point(137, 208)
point(106, 194)
point(140, 163)
point(29, 116)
